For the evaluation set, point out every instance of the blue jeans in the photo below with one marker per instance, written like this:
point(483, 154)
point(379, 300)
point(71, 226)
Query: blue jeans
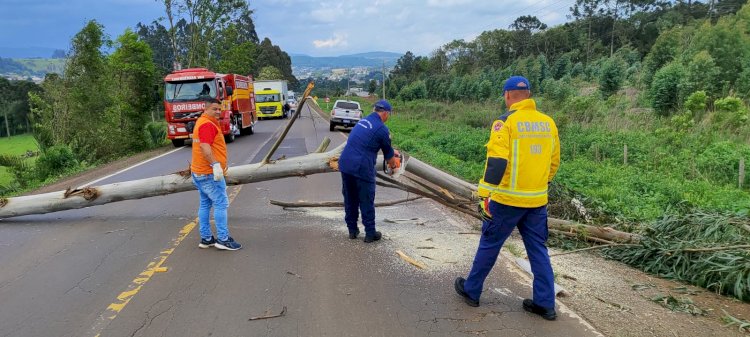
point(532, 224)
point(358, 195)
point(213, 193)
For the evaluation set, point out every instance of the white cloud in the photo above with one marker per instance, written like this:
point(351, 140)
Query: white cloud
point(338, 40)
point(421, 26)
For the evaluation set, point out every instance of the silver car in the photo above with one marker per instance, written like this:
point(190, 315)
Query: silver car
point(345, 113)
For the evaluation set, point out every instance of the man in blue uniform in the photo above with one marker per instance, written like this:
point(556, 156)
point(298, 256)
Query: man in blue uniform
point(523, 155)
point(357, 167)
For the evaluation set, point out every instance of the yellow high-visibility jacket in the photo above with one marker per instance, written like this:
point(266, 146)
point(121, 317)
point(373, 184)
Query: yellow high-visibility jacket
point(523, 155)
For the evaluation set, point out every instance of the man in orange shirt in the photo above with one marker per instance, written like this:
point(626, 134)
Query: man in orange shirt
point(208, 168)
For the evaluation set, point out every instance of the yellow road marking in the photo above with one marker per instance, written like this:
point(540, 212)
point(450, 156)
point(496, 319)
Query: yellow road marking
point(137, 284)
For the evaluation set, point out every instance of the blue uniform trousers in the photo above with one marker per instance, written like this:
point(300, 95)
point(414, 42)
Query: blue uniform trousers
point(358, 195)
point(532, 224)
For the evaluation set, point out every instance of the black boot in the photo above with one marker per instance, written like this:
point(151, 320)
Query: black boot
point(375, 237)
point(353, 235)
point(459, 285)
point(548, 314)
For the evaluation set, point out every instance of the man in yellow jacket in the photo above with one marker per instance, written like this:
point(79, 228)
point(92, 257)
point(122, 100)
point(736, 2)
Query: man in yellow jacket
point(523, 155)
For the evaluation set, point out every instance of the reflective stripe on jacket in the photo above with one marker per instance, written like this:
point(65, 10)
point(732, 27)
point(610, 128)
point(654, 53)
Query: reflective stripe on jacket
point(523, 155)
point(199, 164)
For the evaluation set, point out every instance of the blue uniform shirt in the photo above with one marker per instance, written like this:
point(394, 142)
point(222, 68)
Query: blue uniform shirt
point(368, 137)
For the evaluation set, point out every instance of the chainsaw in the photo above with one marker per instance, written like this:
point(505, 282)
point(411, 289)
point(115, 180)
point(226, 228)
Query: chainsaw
point(398, 171)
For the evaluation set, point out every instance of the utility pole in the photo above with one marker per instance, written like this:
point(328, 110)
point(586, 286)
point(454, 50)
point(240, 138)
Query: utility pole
point(383, 79)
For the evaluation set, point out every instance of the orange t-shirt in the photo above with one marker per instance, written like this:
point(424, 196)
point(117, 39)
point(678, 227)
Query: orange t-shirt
point(199, 164)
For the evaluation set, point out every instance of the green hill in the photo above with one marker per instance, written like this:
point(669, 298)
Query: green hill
point(41, 66)
point(31, 66)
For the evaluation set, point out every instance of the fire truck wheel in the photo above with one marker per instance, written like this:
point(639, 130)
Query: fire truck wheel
point(248, 130)
point(178, 142)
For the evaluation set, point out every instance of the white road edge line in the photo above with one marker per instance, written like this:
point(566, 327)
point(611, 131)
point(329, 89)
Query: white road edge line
point(131, 167)
point(168, 153)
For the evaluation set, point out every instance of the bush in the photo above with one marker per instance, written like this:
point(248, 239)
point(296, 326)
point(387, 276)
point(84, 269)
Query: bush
point(577, 70)
point(696, 102)
point(413, 91)
point(582, 108)
point(485, 90)
point(702, 74)
point(55, 161)
point(682, 123)
point(611, 76)
point(743, 81)
point(559, 90)
point(728, 104)
point(730, 113)
point(664, 89)
point(156, 134)
point(562, 66)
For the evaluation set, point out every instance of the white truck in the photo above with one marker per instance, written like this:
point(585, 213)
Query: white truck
point(270, 96)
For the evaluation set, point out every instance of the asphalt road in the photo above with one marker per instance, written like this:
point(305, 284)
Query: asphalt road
point(134, 268)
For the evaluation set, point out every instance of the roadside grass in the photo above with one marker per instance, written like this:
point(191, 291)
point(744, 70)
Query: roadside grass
point(16, 146)
point(668, 168)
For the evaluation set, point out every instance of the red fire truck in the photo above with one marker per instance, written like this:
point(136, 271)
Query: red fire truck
point(185, 93)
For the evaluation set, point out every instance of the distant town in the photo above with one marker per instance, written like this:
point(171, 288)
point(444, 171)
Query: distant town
point(358, 68)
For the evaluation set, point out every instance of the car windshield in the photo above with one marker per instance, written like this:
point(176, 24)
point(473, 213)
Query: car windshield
point(347, 105)
point(267, 98)
point(189, 91)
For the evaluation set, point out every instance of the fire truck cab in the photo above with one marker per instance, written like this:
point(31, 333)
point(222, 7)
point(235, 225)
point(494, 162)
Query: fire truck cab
point(185, 93)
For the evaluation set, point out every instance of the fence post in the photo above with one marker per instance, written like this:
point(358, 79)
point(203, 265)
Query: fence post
point(625, 155)
point(742, 172)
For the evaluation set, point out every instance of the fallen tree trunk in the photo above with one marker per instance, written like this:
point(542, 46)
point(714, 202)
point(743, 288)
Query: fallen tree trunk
point(163, 185)
point(440, 178)
point(458, 196)
point(606, 233)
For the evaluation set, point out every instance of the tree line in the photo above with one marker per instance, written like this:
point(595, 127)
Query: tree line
point(668, 49)
point(216, 34)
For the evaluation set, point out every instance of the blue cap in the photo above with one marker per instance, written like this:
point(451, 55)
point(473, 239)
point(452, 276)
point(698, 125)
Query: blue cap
point(382, 105)
point(516, 83)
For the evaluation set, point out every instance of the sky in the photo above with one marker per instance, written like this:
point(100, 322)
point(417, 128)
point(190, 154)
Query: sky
point(311, 27)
